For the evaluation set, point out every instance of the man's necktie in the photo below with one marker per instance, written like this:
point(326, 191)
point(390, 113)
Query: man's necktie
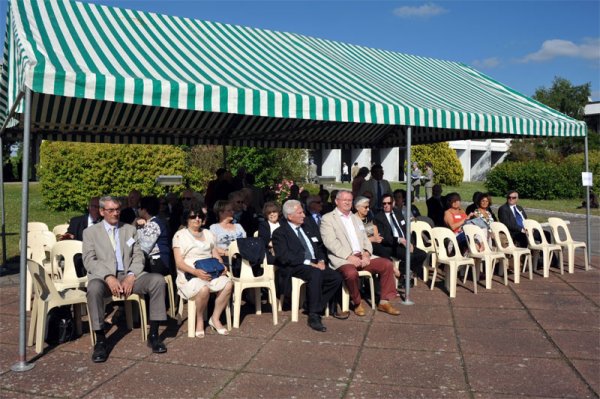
point(307, 253)
point(318, 219)
point(518, 217)
point(397, 225)
point(111, 236)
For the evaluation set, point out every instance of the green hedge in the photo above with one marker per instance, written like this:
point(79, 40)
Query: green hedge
point(71, 173)
point(543, 180)
point(445, 163)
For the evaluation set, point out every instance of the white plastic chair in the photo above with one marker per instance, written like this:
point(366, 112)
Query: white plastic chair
point(425, 242)
point(66, 276)
point(37, 226)
point(170, 295)
point(46, 298)
point(298, 297)
point(191, 319)
point(547, 249)
point(504, 243)
point(560, 230)
point(60, 229)
point(442, 236)
point(346, 293)
point(128, 314)
point(39, 245)
point(476, 235)
point(248, 280)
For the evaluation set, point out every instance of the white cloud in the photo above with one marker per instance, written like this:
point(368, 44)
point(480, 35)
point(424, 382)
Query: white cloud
point(424, 11)
point(491, 62)
point(589, 49)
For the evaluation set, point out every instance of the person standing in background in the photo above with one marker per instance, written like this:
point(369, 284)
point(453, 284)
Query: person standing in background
point(354, 170)
point(415, 179)
point(345, 174)
point(428, 179)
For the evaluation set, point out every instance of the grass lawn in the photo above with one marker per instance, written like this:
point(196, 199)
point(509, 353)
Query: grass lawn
point(39, 213)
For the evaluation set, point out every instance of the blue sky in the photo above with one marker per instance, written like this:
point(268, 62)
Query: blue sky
point(523, 44)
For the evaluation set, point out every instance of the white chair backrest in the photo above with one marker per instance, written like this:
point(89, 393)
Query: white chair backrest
point(422, 229)
point(37, 226)
point(475, 235)
point(500, 231)
point(39, 242)
point(65, 250)
point(532, 226)
point(43, 285)
point(60, 229)
point(246, 269)
point(442, 237)
point(560, 230)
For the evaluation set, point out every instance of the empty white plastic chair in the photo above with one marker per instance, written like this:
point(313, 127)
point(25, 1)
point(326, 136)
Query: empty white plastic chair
point(544, 247)
point(562, 237)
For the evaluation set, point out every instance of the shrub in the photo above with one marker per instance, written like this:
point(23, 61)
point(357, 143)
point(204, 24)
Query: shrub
point(543, 180)
point(446, 165)
point(71, 173)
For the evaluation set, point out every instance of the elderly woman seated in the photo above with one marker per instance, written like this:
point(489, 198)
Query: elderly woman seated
point(191, 244)
point(225, 231)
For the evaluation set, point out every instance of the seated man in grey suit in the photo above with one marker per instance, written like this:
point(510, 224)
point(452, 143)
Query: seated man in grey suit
point(115, 266)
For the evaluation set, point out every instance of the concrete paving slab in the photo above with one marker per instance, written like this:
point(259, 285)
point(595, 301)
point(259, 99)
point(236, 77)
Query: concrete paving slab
point(422, 295)
point(362, 390)
point(339, 332)
point(418, 313)
point(557, 301)
point(488, 299)
point(252, 385)
point(508, 342)
point(304, 359)
point(253, 325)
point(569, 320)
point(543, 286)
point(577, 344)
point(590, 370)
point(586, 288)
point(412, 337)
point(64, 374)
point(404, 368)
point(515, 375)
point(493, 318)
point(582, 275)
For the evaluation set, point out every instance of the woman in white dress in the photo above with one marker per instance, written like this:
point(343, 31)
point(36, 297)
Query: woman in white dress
point(194, 243)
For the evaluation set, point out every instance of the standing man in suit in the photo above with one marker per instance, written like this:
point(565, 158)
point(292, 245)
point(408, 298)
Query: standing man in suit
point(512, 215)
point(377, 185)
point(392, 227)
point(350, 250)
point(115, 266)
point(299, 253)
point(80, 223)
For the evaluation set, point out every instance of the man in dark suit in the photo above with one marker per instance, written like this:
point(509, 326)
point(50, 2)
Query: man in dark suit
point(512, 215)
point(80, 223)
point(115, 265)
point(392, 227)
point(436, 206)
point(299, 253)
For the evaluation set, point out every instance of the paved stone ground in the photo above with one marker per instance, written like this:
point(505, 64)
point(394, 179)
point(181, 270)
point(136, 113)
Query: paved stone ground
point(537, 339)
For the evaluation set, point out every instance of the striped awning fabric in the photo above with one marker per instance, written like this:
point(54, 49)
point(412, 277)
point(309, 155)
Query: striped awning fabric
point(109, 74)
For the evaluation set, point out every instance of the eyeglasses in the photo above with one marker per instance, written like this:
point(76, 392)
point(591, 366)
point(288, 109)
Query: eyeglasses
point(112, 210)
point(365, 206)
point(195, 217)
point(513, 197)
point(386, 203)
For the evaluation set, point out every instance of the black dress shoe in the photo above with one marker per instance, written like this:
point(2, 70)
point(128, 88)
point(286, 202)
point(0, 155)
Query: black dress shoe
point(156, 344)
point(100, 353)
point(314, 322)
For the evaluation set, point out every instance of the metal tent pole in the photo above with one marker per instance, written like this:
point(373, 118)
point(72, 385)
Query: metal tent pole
point(407, 300)
point(3, 227)
point(587, 205)
point(22, 364)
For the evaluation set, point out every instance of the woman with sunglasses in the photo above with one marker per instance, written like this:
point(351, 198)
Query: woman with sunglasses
point(190, 244)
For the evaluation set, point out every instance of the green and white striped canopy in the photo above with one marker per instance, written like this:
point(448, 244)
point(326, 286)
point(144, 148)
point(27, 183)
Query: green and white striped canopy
point(102, 73)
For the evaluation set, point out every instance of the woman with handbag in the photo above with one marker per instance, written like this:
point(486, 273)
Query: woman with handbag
point(225, 231)
point(154, 237)
point(193, 248)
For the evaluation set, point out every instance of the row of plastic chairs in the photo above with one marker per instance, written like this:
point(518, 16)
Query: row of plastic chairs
point(434, 241)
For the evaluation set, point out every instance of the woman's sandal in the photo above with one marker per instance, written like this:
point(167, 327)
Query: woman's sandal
point(220, 331)
point(200, 334)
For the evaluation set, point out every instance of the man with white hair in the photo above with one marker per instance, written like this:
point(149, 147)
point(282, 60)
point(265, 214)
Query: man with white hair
point(299, 253)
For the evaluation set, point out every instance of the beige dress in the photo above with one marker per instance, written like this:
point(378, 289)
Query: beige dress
point(193, 250)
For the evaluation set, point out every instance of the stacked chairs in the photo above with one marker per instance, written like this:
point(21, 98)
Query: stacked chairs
point(543, 247)
point(504, 243)
point(39, 245)
point(562, 237)
point(60, 229)
point(248, 280)
point(443, 236)
point(62, 266)
point(46, 298)
point(481, 252)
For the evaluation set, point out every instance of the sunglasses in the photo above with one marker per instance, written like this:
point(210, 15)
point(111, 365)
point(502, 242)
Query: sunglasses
point(386, 203)
point(191, 217)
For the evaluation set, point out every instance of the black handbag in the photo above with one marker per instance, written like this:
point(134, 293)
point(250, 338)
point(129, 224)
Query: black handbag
point(209, 265)
point(153, 265)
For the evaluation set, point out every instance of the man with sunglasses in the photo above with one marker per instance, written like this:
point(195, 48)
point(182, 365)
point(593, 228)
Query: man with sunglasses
point(115, 266)
point(512, 215)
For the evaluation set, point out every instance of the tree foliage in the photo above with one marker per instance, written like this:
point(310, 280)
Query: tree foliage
point(446, 165)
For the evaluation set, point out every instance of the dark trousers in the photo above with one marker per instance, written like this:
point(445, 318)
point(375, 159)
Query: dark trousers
point(417, 257)
point(321, 285)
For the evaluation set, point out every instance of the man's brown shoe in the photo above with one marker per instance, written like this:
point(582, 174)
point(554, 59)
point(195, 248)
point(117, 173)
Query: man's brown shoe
point(388, 308)
point(359, 310)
